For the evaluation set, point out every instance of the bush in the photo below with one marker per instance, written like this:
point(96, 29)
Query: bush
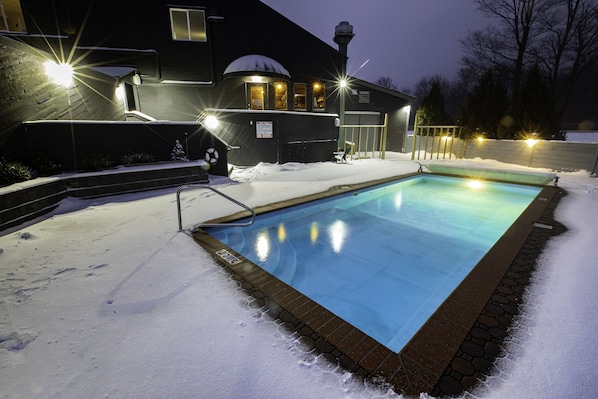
point(140, 156)
point(44, 166)
point(97, 161)
point(13, 172)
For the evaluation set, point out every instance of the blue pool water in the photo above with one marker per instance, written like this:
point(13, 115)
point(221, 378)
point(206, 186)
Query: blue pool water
point(383, 258)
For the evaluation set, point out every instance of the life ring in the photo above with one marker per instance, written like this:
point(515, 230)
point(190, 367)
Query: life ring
point(211, 156)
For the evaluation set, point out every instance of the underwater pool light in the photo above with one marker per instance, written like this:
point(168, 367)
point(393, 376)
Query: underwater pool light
point(475, 184)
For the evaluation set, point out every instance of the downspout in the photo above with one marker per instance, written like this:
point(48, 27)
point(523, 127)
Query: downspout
point(210, 19)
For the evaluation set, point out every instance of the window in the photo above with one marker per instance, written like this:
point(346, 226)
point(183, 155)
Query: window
point(188, 25)
point(300, 95)
point(257, 97)
point(11, 16)
point(280, 94)
point(364, 97)
point(319, 96)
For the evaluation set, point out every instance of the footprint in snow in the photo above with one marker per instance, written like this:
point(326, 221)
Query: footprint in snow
point(15, 341)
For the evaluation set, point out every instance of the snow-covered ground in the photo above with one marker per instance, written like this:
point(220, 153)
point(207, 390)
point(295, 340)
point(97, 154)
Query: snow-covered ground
point(582, 137)
point(106, 299)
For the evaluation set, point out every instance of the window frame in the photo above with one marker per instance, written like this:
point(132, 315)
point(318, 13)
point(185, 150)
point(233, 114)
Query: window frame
point(282, 96)
point(304, 95)
point(190, 28)
point(315, 90)
point(18, 10)
point(263, 87)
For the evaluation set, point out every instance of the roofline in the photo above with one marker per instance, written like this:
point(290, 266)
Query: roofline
point(305, 30)
point(391, 92)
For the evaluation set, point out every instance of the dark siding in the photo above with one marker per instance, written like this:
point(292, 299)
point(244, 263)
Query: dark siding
point(28, 94)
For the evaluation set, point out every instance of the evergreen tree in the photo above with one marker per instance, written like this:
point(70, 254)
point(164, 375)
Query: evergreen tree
point(178, 153)
point(534, 109)
point(431, 111)
point(486, 108)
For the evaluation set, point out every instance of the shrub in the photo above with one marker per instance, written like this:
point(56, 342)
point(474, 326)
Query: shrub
point(13, 172)
point(97, 161)
point(140, 156)
point(44, 166)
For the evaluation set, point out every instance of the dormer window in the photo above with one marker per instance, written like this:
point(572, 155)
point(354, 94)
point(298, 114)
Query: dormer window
point(188, 25)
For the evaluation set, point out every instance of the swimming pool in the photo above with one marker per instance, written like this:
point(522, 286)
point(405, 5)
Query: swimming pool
point(383, 258)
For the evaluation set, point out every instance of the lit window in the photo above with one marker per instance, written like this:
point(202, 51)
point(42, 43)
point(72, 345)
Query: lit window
point(11, 16)
point(300, 95)
point(188, 24)
point(319, 96)
point(256, 97)
point(280, 93)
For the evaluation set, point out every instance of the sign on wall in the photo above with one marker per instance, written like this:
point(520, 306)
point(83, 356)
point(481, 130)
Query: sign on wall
point(263, 129)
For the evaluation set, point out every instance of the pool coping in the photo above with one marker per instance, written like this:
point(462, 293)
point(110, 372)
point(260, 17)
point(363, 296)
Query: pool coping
point(421, 363)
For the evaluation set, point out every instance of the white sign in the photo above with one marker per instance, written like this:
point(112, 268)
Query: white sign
point(228, 257)
point(263, 130)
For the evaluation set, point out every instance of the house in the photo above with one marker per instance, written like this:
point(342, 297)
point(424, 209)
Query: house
point(273, 85)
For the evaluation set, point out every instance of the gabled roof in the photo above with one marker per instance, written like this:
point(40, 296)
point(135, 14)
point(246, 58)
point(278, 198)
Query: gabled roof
point(385, 90)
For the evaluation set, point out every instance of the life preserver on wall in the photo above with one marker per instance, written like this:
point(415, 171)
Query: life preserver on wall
point(211, 156)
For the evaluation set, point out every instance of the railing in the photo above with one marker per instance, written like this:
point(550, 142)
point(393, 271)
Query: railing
point(178, 203)
point(442, 141)
point(364, 140)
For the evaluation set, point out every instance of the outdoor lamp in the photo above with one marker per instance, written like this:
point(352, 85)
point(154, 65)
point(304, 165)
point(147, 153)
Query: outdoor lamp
point(212, 122)
point(60, 73)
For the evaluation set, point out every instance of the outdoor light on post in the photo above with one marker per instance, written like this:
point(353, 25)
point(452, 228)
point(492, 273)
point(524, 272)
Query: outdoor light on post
point(343, 33)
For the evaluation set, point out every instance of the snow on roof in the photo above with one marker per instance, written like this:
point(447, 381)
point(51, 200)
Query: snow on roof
point(117, 72)
point(256, 63)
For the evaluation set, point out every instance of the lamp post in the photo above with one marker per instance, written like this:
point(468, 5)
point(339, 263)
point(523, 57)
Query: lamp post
point(343, 33)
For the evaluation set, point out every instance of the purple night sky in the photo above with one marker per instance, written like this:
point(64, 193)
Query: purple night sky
point(403, 39)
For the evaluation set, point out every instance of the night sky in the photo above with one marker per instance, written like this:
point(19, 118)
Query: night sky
point(403, 39)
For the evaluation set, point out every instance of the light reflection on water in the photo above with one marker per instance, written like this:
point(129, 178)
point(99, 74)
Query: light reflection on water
point(383, 258)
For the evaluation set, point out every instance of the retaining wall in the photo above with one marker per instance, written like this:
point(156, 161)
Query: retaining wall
point(21, 203)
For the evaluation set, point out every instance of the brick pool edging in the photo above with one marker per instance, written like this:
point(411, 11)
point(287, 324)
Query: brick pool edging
point(426, 363)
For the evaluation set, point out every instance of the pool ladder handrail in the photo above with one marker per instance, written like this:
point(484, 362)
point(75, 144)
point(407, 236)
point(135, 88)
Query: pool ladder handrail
point(194, 229)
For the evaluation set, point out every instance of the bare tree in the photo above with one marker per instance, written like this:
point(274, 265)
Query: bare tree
point(559, 37)
point(505, 47)
point(386, 81)
point(570, 45)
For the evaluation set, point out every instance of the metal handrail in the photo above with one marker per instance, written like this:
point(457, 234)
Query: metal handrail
point(178, 203)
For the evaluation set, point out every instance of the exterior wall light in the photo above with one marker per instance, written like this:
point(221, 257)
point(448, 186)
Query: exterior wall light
point(120, 92)
point(61, 73)
point(257, 79)
point(531, 142)
point(343, 83)
point(211, 122)
point(480, 138)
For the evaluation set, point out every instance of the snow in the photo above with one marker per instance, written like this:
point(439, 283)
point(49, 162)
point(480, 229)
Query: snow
point(582, 137)
point(256, 63)
point(104, 298)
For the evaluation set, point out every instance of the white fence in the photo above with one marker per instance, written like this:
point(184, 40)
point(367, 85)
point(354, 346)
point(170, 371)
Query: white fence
point(432, 142)
point(365, 141)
